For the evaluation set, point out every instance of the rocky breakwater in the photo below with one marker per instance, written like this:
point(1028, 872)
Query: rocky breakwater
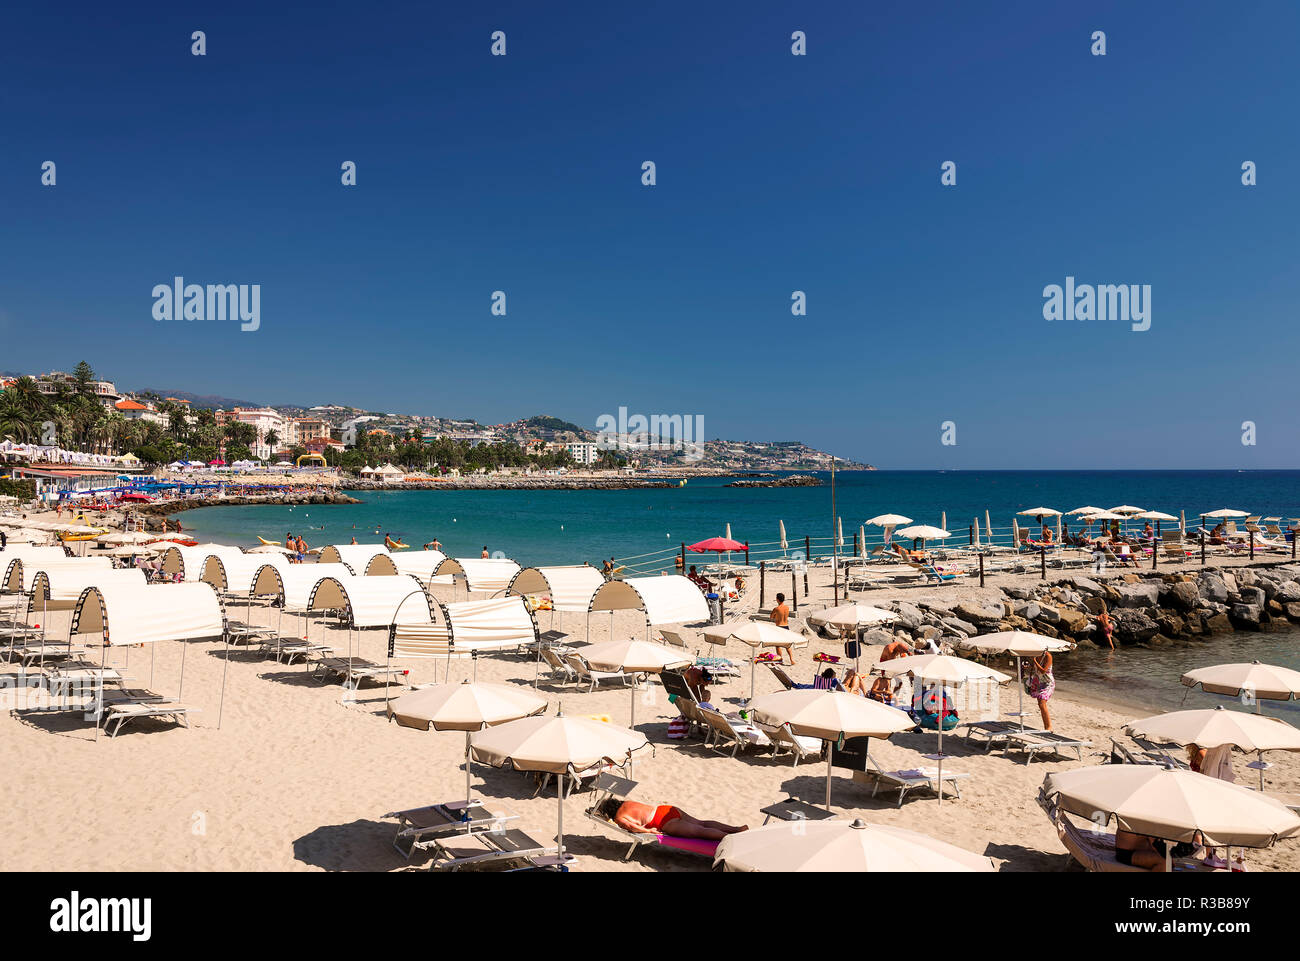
point(796, 480)
point(153, 513)
point(1147, 609)
point(510, 484)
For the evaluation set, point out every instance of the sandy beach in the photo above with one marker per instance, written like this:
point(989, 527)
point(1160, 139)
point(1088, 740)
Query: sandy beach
point(299, 778)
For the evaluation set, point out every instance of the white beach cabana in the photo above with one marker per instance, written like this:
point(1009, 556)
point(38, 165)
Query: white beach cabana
point(466, 629)
point(124, 613)
point(19, 574)
point(489, 575)
point(293, 583)
point(365, 559)
point(189, 561)
point(668, 599)
point(235, 575)
point(59, 587)
point(372, 601)
point(570, 588)
point(421, 564)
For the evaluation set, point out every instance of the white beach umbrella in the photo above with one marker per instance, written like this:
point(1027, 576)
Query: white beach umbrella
point(1251, 681)
point(127, 537)
point(1216, 726)
point(1085, 510)
point(1172, 804)
point(1018, 644)
point(830, 715)
point(556, 745)
point(839, 532)
point(862, 540)
point(889, 520)
point(635, 657)
point(1126, 509)
point(464, 707)
point(924, 532)
point(944, 669)
point(1154, 516)
point(784, 545)
point(1040, 512)
point(1225, 513)
point(841, 846)
point(756, 634)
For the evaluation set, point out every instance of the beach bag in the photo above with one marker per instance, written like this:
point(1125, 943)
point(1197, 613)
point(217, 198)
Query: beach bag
point(678, 728)
point(851, 649)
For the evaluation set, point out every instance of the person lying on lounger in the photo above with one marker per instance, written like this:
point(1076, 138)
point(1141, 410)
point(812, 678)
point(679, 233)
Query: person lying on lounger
point(1138, 850)
point(664, 819)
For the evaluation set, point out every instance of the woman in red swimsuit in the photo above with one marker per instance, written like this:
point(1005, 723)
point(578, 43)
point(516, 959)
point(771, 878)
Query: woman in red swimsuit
point(665, 819)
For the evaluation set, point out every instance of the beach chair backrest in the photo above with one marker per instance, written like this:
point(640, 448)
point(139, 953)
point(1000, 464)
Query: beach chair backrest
point(718, 722)
point(786, 681)
point(553, 659)
point(674, 682)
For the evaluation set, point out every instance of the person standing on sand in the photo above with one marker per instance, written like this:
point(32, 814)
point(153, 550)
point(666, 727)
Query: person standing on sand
point(780, 616)
point(485, 555)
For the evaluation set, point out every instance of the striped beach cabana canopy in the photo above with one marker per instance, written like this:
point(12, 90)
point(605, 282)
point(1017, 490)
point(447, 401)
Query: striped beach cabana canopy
point(668, 599)
point(571, 588)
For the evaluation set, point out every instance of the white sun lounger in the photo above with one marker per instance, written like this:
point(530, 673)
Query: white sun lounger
point(1039, 742)
point(417, 827)
point(908, 779)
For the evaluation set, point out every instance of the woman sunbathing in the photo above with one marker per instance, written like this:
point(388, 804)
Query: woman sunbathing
point(664, 819)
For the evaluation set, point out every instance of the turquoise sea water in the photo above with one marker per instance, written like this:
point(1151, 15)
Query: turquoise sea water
point(568, 527)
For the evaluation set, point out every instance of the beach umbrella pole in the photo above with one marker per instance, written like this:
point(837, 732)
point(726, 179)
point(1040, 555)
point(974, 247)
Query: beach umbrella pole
point(830, 751)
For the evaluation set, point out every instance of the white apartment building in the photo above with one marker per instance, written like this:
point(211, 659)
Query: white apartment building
point(583, 452)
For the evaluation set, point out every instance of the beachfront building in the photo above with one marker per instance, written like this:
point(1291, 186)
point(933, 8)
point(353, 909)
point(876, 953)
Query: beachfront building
point(583, 452)
point(104, 390)
point(266, 421)
point(135, 410)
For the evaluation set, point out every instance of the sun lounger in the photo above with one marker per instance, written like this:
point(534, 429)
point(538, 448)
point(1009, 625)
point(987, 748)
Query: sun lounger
point(1160, 754)
point(786, 680)
point(1094, 849)
point(585, 672)
point(794, 810)
point(799, 745)
point(417, 827)
point(357, 669)
point(932, 575)
point(609, 787)
point(117, 714)
point(456, 852)
point(908, 779)
point(43, 652)
point(740, 735)
point(1037, 742)
point(677, 638)
point(994, 730)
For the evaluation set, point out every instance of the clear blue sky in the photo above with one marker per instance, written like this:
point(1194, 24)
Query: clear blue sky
point(775, 173)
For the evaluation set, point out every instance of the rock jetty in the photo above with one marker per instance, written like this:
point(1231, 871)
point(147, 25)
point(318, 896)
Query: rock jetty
point(796, 480)
point(1145, 608)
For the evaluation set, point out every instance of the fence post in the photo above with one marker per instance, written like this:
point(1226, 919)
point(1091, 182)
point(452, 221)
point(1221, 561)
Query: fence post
point(683, 555)
point(794, 591)
point(970, 535)
point(746, 553)
point(1202, 536)
point(981, 570)
point(1155, 553)
point(807, 551)
point(1042, 558)
point(1252, 545)
point(762, 584)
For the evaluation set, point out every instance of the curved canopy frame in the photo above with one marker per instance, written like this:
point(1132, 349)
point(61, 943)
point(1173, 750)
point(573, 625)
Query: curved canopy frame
point(373, 601)
point(59, 588)
point(189, 561)
point(669, 599)
point(293, 583)
point(571, 588)
point(490, 575)
point(360, 557)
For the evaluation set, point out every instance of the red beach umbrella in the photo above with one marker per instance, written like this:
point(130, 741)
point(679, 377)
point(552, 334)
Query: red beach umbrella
point(718, 544)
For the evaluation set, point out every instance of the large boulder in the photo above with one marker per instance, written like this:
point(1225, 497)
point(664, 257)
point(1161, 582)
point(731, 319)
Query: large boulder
point(1075, 622)
point(1217, 623)
point(1139, 595)
point(1245, 577)
point(1288, 592)
point(1212, 588)
point(1084, 584)
point(1134, 626)
point(1181, 596)
point(1029, 609)
point(1292, 609)
point(1254, 596)
point(959, 627)
point(1247, 616)
point(980, 614)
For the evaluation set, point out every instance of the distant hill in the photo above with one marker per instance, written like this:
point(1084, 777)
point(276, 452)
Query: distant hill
point(545, 422)
point(200, 401)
